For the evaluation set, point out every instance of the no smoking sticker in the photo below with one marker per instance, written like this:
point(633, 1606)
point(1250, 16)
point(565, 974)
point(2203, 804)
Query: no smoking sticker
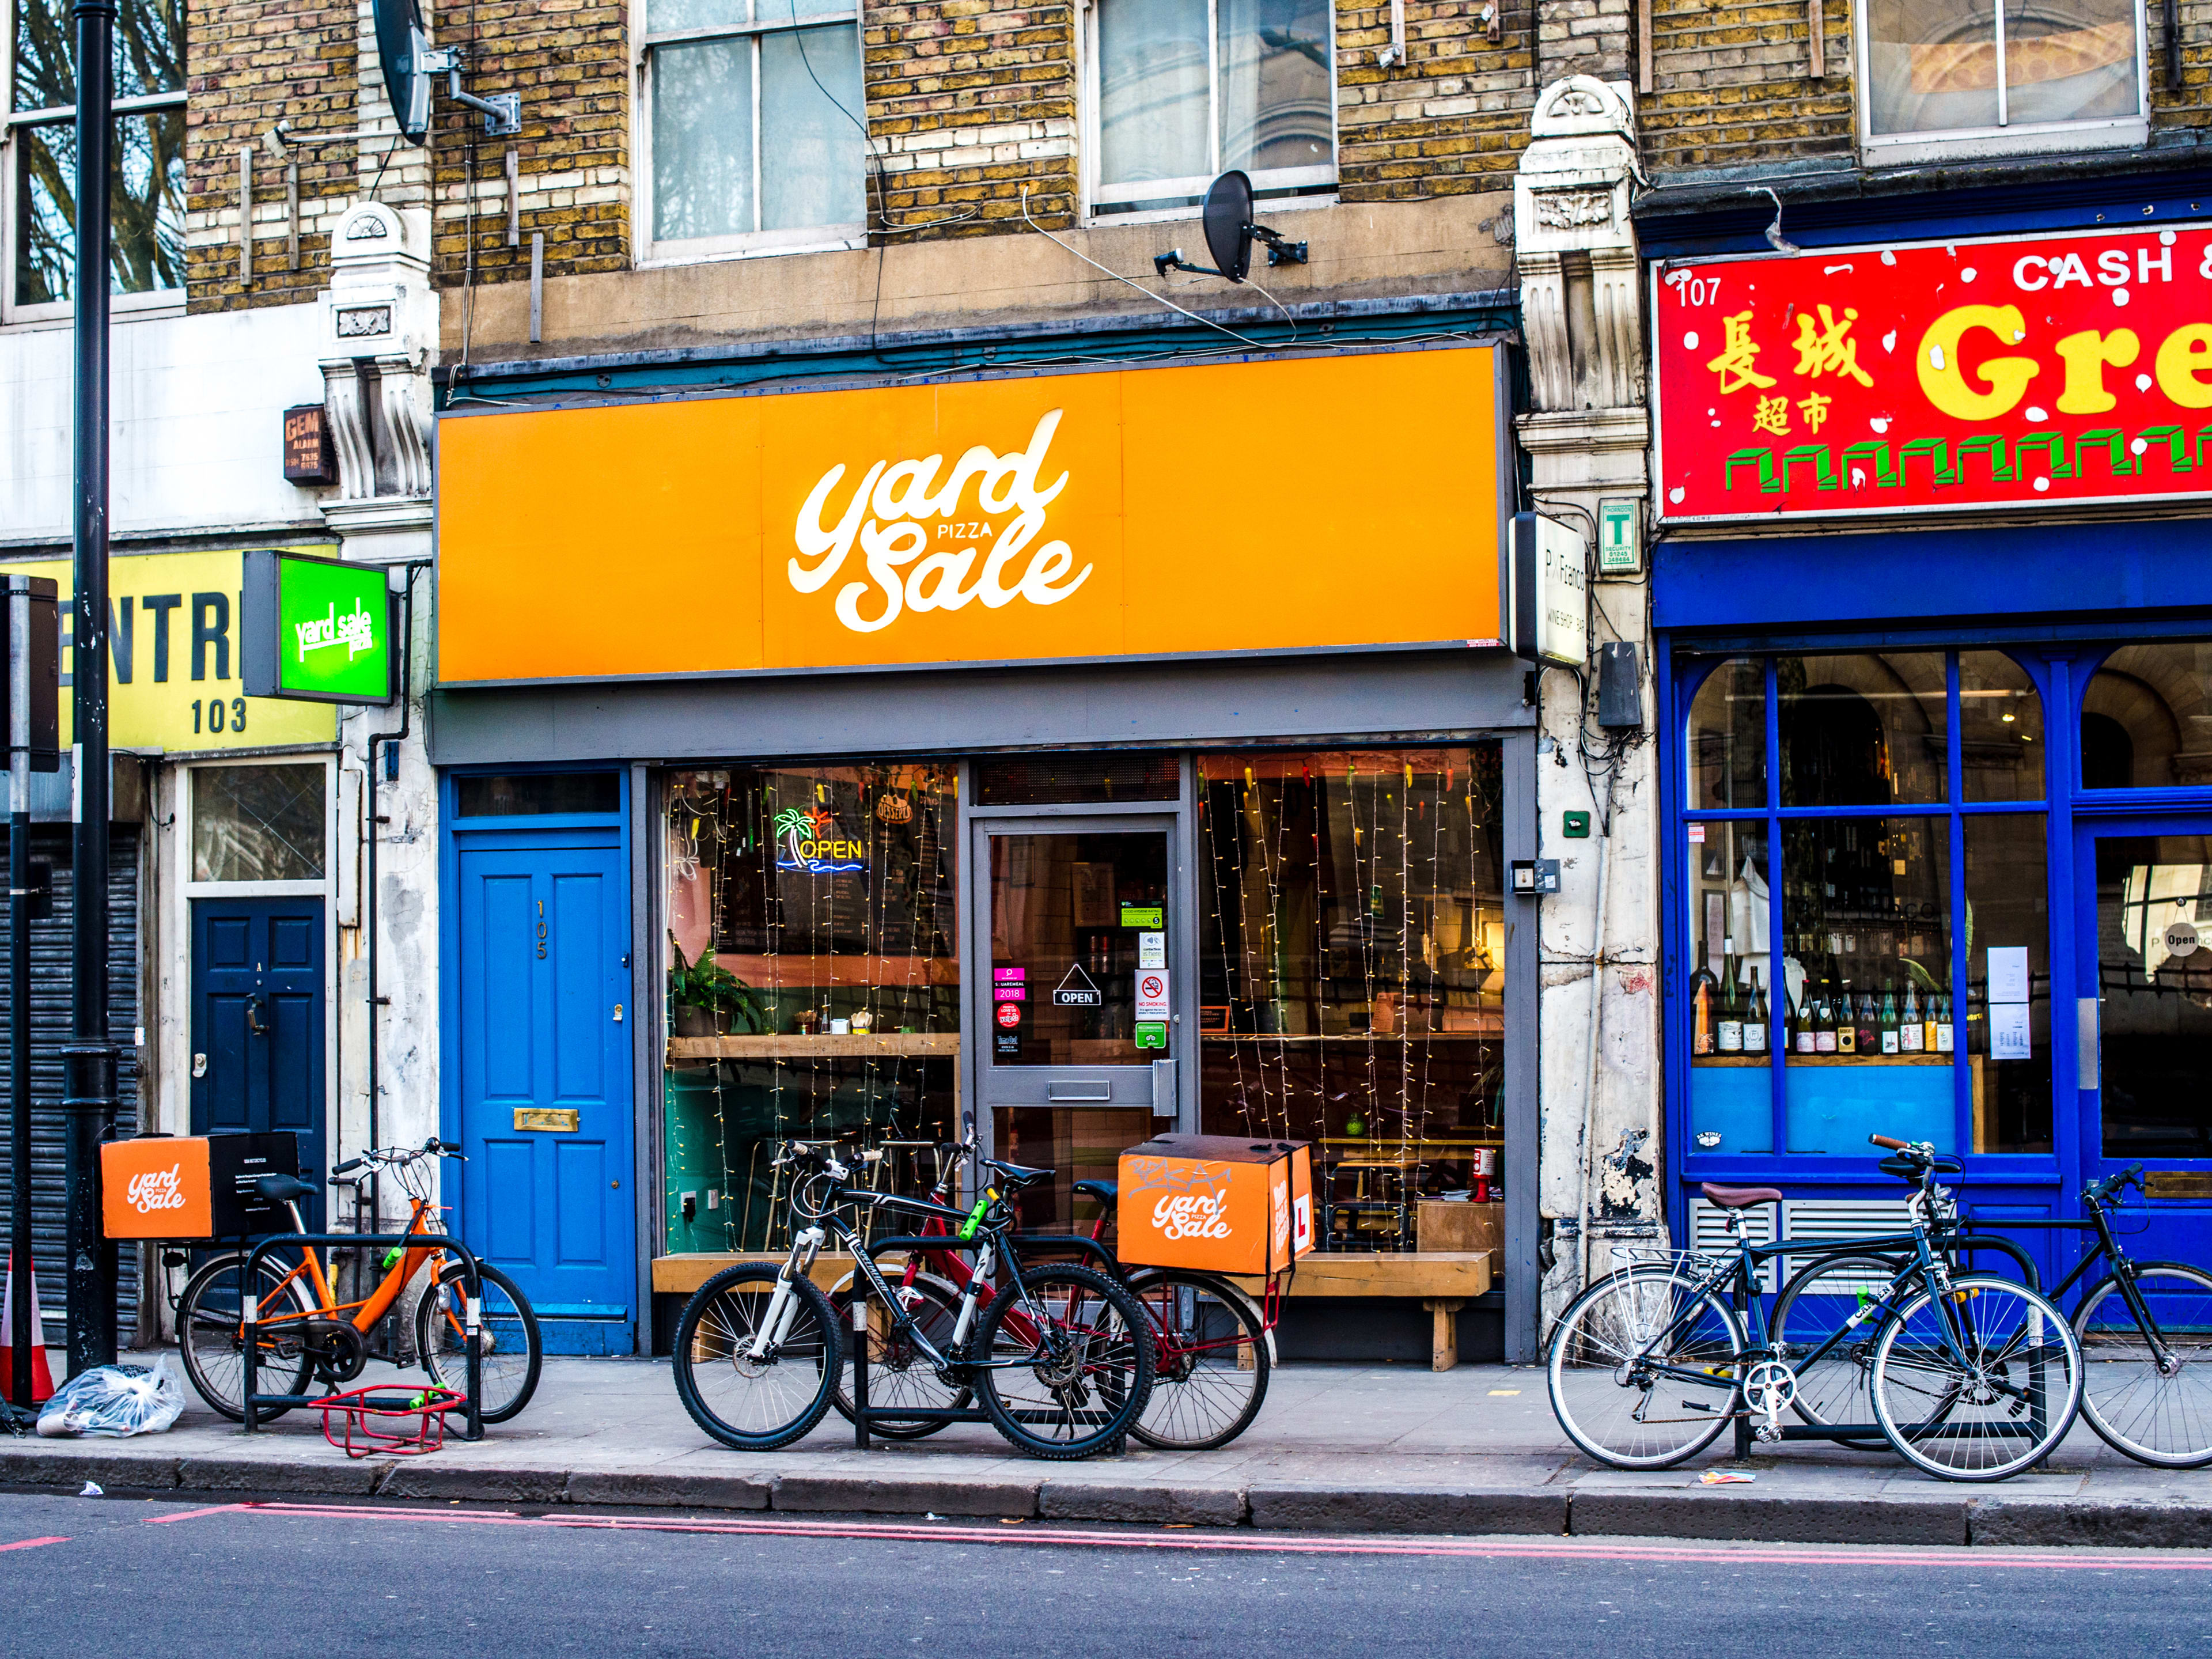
point(1152, 993)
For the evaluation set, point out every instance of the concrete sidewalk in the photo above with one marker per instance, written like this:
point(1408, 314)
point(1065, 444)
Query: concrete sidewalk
point(1339, 1448)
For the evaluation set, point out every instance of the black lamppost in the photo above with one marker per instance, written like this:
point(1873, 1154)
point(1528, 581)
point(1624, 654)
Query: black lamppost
point(89, 1100)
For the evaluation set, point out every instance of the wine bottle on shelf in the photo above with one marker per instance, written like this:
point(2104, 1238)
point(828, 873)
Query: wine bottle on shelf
point(1910, 1030)
point(1847, 1022)
point(1728, 1029)
point(1928, 1024)
point(1703, 985)
point(1893, 1041)
point(1946, 1037)
point(1755, 1019)
point(1805, 1036)
point(1870, 1023)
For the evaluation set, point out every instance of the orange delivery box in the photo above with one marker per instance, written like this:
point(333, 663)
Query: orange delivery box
point(1218, 1204)
point(189, 1186)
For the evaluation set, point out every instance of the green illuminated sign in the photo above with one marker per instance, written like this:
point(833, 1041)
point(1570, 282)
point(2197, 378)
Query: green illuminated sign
point(319, 630)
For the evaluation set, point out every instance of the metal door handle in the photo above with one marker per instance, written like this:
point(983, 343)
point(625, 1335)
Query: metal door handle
point(253, 1016)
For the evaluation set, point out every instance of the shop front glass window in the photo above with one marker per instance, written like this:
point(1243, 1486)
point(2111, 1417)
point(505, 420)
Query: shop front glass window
point(1862, 730)
point(2000, 728)
point(257, 823)
point(1728, 736)
point(1352, 978)
point(1866, 914)
point(2147, 718)
point(812, 983)
point(2008, 1031)
point(2154, 990)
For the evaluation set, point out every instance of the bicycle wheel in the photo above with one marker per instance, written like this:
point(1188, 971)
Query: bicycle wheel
point(1834, 1294)
point(509, 1348)
point(211, 1335)
point(899, 1373)
point(1071, 1366)
point(1644, 1369)
point(1983, 1392)
point(1210, 1361)
point(2156, 1409)
point(757, 1403)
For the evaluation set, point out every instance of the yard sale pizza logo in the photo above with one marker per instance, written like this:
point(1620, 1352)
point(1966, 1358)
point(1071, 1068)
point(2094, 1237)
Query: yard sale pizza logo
point(2005, 373)
point(929, 538)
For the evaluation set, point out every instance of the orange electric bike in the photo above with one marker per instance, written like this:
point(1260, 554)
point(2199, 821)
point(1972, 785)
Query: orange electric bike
point(305, 1331)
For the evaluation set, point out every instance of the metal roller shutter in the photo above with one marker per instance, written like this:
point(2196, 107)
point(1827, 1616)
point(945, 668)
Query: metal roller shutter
point(50, 1029)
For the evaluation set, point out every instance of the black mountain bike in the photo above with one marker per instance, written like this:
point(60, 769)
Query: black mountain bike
point(1971, 1376)
point(1059, 1358)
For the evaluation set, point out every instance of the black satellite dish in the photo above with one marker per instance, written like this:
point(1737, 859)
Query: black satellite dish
point(1228, 221)
point(1229, 233)
point(411, 63)
point(400, 38)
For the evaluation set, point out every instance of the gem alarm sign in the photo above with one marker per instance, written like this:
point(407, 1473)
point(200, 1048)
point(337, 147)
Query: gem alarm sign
point(2014, 372)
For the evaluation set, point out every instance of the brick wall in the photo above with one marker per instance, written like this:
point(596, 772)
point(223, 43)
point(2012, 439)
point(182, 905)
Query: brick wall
point(1453, 117)
point(569, 60)
point(1732, 86)
point(2190, 104)
point(251, 62)
point(970, 103)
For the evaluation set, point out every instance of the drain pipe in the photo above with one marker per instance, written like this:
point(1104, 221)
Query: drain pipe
point(1590, 1062)
point(412, 567)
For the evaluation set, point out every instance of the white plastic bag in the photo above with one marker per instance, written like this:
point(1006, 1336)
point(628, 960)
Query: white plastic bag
point(111, 1401)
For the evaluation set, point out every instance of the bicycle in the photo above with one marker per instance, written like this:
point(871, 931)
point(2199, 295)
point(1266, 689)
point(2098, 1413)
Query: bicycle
point(305, 1332)
point(1212, 1351)
point(1055, 1356)
point(1971, 1375)
point(2147, 1388)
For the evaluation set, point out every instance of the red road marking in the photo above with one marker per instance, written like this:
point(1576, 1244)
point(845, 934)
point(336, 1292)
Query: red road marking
point(1263, 1544)
point(194, 1514)
point(32, 1543)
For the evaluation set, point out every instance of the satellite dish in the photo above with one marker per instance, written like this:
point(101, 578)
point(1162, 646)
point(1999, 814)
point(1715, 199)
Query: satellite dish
point(401, 43)
point(1228, 221)
point(1229, 233)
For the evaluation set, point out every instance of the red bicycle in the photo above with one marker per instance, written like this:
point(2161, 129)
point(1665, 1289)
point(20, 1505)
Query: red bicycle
point(1213, 1345)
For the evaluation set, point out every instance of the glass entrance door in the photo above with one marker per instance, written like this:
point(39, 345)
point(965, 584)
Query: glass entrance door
point(1079, 1038)
point(2144, 940)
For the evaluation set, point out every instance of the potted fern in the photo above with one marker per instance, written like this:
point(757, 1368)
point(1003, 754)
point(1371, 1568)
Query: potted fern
point(705, 999)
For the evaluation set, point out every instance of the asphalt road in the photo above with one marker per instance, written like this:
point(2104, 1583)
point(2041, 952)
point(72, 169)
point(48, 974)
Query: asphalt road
point(120, 1578)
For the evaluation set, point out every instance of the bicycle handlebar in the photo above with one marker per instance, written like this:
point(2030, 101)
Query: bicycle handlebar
point(1890, 1145)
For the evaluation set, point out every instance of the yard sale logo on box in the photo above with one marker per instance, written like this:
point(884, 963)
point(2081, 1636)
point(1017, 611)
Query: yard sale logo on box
point(2012, 373)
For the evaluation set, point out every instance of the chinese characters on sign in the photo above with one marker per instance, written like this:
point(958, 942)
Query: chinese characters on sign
point(2025, 372)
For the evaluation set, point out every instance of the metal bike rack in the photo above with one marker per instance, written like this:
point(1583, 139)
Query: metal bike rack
point(864, 1413)
point(250, 1310)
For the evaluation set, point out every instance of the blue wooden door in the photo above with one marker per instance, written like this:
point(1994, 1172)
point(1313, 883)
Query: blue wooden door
point(543, 1063)
point(257, 1024)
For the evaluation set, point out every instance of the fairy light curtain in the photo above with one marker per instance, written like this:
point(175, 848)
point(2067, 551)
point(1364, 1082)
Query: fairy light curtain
point(1352, 968)
point(802, 901)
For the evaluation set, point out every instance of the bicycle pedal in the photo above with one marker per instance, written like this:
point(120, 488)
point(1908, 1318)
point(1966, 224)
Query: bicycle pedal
point(1767, 1433)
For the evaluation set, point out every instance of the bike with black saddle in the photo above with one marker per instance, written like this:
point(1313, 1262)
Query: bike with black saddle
point(1970, 1376)
point(1058, 1355)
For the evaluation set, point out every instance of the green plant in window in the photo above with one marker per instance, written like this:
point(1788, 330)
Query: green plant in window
point(704, 984)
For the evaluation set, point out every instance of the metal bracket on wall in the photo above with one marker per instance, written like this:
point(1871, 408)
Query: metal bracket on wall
point(246, 215)
point(1816, 39)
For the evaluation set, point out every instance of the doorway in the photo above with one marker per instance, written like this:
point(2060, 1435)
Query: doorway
point(257, 1025)
point(2143, 928)
point(1079, 935)
point(539, 1044)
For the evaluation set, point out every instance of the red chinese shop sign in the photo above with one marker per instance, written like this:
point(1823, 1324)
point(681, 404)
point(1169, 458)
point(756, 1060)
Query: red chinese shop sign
point(1936, 377)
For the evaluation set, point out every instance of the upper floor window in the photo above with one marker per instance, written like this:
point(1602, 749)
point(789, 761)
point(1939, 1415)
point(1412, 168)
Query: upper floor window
point(1183, 90)
point(38, 206)
point(756, 127)
point(2147, 718)
point(2001, 74)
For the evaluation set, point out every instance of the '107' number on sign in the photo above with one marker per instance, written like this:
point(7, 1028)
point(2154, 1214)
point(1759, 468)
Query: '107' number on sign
point(220, 715)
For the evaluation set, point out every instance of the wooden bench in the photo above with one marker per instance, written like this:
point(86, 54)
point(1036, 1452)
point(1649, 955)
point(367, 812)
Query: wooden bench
point(1443, 1284)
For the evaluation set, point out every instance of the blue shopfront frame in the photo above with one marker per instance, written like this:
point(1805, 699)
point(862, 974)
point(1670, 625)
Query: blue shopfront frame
point(2057, 599)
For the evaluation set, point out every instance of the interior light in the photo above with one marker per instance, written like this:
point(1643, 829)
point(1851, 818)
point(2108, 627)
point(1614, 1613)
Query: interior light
point(2008, 718)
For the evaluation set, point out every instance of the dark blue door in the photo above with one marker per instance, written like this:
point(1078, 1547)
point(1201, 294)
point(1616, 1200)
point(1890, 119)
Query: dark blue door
point(544, 1075)
point(257, 1025)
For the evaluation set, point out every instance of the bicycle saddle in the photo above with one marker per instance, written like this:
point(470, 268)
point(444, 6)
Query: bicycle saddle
point(1106, 1192)
point(1740, 1198)
point(1017, 1175)
point(282, 1188)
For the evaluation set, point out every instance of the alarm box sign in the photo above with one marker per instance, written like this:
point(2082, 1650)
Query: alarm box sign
point(2007, 374)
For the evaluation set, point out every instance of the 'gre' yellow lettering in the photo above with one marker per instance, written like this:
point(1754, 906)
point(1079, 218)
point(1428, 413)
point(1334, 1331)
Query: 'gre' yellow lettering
point(1946, 386)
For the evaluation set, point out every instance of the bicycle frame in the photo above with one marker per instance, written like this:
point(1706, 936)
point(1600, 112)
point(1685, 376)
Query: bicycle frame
point(2106, 1247)
point(371, 1308)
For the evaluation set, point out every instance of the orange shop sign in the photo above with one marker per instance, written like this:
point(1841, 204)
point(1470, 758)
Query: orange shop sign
point(2004, 373)
point(1354, 498)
